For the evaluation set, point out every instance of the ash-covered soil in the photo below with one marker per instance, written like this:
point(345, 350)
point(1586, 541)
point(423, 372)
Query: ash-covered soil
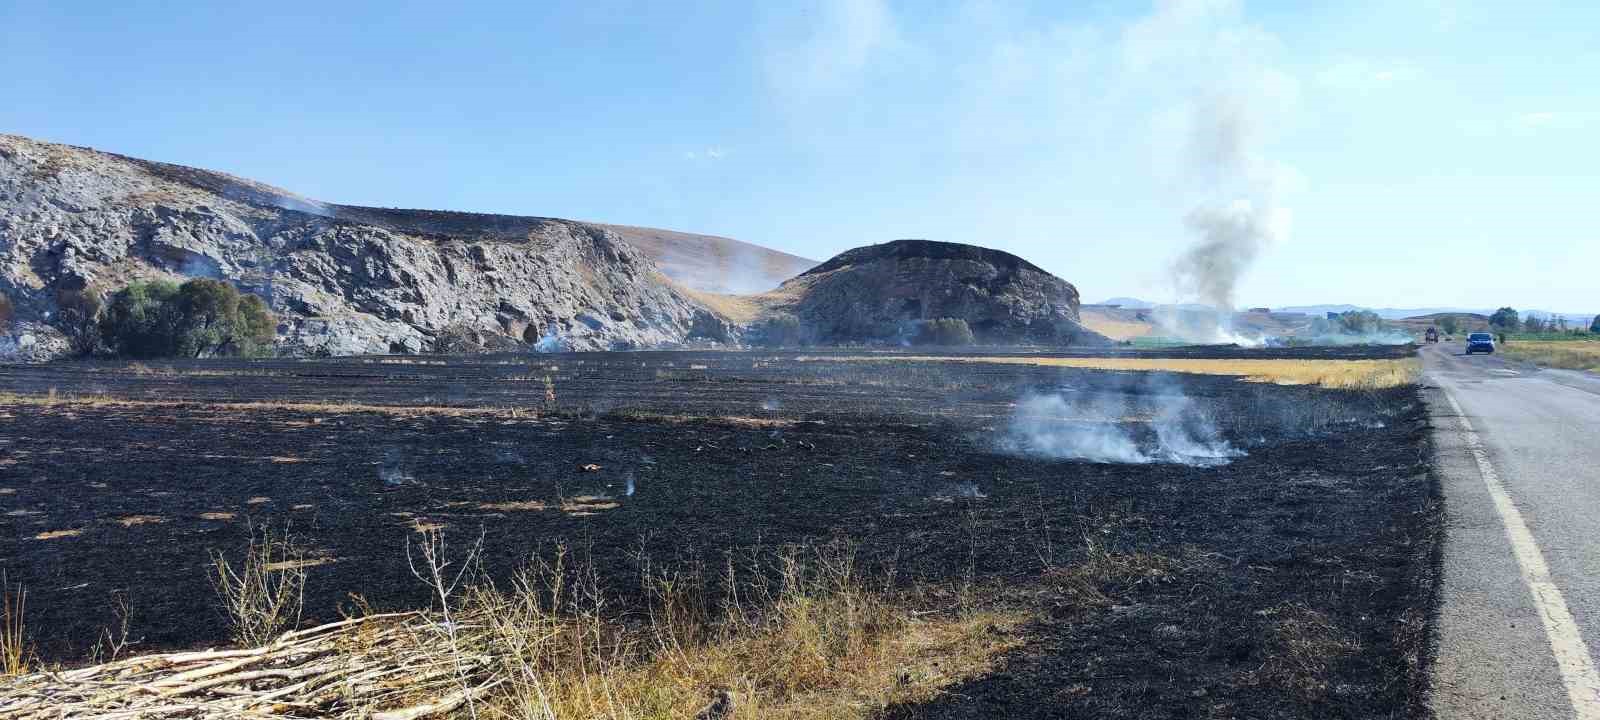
point(1293, 581)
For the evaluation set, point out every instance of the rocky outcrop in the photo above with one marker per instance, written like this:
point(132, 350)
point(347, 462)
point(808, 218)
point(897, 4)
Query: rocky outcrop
point(346, 279)
point(342, 279)
point(878, 293)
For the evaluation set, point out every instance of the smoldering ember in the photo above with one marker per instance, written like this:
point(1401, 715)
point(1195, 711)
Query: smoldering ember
point(266, 456)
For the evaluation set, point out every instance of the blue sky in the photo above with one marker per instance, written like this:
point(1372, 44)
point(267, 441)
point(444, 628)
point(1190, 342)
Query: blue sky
point(1383, 153)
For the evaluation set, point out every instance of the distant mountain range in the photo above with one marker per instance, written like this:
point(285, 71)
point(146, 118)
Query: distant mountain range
point(1387, 313)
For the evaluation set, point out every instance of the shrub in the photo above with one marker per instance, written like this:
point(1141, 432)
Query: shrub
point(6, 312)
point(1594, 326)
point(458, 339)
point(141, 321)
point(264, 593)
point(78, 317)
point(200, 318)
point(780, 330)
point(1450, 324)
point(943, 331)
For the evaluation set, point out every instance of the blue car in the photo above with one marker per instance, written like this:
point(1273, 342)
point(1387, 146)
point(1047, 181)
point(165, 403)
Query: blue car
point(1480, 342)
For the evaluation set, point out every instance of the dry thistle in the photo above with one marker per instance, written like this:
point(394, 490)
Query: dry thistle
point(263, 595)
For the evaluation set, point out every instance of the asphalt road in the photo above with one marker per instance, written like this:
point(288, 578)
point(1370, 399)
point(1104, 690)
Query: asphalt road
point(1520, 597)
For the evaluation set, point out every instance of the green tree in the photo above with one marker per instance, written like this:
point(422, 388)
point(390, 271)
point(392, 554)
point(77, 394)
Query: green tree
point(141, 320)
point(200, 318)
point(78, 317)
point(208, 317)
point(259, 325)
point(1450, 324)
point(1504, 318)
point(1594, 326)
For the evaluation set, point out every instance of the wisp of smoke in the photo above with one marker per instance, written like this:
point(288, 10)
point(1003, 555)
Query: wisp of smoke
point(392, 469)
point(1047, 426)
point(551, 343)
point(1109, 428)
point(1187, 435)
point(1208, 326)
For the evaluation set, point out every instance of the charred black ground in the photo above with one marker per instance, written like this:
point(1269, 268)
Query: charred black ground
point(1321, 537)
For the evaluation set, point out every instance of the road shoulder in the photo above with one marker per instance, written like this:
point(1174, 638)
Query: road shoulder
point(1491, 656)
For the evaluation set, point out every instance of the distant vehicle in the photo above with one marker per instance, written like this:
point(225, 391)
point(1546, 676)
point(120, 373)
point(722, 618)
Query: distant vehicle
point(1480, 342)
point(1432, 335)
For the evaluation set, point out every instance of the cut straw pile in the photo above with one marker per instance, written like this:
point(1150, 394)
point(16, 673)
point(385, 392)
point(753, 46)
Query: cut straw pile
point(377, 666)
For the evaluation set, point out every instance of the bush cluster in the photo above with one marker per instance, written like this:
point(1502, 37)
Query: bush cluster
point(200, 318)
point(1504, 318)
point(944, 332)
point(781, 330)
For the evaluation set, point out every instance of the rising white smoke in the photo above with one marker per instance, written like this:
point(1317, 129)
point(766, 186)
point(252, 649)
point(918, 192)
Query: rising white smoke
point(1228, 241)
point(1152, 421)
point(1049, 426)
point(1237, 221)
point(1216, 137)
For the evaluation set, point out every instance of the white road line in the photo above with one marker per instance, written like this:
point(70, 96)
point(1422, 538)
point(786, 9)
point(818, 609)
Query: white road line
point(1572, 654)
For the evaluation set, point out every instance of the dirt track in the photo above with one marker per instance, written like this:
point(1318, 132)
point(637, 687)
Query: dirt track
point(1324, 530)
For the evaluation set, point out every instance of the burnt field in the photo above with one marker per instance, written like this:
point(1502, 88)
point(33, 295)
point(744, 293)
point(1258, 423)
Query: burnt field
point(1184, 545)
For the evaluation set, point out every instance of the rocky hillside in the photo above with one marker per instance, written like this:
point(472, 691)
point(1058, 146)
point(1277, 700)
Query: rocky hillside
point(343, 279)
point(879, 292)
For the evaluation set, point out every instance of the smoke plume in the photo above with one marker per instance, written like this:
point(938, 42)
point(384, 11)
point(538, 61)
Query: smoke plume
point(1228, 242)
point(1150, 421)
point(1214, 139)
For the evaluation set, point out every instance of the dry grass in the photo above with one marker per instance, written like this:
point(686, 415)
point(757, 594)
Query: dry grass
point(737, 421)
point(1085, 584)
point(1354, 374)
point(741, 309)
point(15, 653)
point(58, 534)
point(1115, 328)
point(1302, 645)
point(793, 633)
point(514, 506)
point(1569, 354)
point(53, 399)
point(797, 634)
